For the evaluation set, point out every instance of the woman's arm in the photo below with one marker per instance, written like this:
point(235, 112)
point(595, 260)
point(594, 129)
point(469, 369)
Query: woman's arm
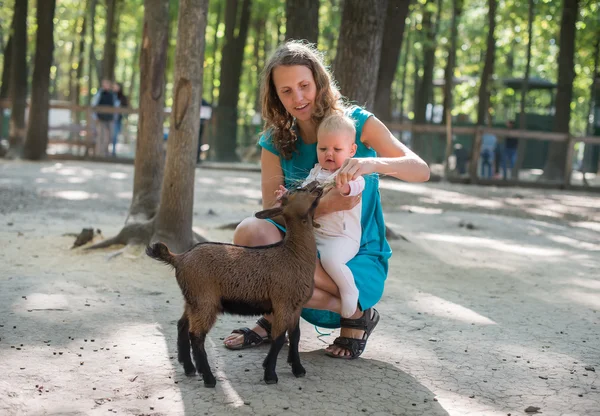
point(271, 177)
point(395, 159)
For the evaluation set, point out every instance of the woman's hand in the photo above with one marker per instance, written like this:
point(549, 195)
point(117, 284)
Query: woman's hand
point(334, 201)
point(353, 168)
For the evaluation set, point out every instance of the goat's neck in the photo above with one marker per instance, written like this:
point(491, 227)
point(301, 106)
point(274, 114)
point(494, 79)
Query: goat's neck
point(300, 237)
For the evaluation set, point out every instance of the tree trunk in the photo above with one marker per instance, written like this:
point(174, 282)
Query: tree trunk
point(426, 85)
point(420, 95)
point(225, 113)
point(18, 80)
point(391, 46)
point(407, 50)
point(589, 128)
point(92, 53)
point(457, 6)
point(302, 20)
point(134, 66)
point(488, 67)
point(522, 146)
point(213, 69)
point(37, 132)
point(80, 62)
point(4, 88)
point(555, 163)
point(359, 49)
point(149, 161)
point(174, 220)
point(110, 43)
point(259, 33)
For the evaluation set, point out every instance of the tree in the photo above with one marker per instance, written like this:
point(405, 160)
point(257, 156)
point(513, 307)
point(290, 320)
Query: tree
point(226, 113)
point(302, 20)
point(555, 163)
point(393, 34)
point(174, 218)
point(18, 79)
point(522, 146)
point(457, 6)
point(81, 56)
point(149, 161)
point(488, 67)
point(425, 85)
point(110, 43)
point(4, 88)
point(359, 49)
point(37, 133)
point(92, 53)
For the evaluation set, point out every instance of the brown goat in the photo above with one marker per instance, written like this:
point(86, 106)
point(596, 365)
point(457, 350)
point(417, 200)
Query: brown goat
point(220, 278)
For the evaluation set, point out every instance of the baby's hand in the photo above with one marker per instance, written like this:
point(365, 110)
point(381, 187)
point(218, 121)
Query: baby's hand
point(344, 189)
point(279, 193)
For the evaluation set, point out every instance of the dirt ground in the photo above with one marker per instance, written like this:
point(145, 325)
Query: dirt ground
point(491, 306)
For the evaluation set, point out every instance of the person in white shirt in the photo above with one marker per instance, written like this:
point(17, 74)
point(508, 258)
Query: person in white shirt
point(339, 233)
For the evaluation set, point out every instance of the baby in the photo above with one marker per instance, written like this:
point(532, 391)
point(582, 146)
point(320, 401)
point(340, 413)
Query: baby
point(338, 237)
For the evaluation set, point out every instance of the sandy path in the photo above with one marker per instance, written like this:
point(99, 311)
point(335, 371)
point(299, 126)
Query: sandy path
point(484, 321)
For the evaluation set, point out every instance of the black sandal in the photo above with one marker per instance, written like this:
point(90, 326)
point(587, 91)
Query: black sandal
point(356, 346)
point(251, 338)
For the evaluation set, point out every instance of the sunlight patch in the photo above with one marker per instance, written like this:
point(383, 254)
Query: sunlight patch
point(118, 175)
point(442, 308)
point(232, 396)
point(73, 195)
point(587, 283)
point(490, 243)
point(591, 300)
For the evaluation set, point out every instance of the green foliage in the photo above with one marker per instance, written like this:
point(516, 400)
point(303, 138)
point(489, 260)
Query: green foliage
point(267, 30)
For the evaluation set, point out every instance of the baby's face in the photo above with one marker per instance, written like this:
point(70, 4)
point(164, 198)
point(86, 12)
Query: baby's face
point(334, 148)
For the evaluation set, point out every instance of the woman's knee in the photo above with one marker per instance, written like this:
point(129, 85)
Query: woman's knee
point(256, 232)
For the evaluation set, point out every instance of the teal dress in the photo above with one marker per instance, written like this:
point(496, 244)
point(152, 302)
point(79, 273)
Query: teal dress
point(370, 265)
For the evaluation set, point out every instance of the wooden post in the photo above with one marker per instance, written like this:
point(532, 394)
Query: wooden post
point(448, 144)
point(475, 151)
point(88, 130)
point(569, 161)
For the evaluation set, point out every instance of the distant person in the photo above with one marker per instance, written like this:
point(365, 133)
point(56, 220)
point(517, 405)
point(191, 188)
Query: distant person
point(104, 97)
point(462, 158)
point(487, 154)
point(205, 114)
point(510, 151)
point(123, 103)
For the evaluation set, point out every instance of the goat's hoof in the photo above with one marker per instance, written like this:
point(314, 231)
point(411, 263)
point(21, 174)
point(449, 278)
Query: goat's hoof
point(298, 370)
point(210, 382)
point(272, 379)
point(190, 370)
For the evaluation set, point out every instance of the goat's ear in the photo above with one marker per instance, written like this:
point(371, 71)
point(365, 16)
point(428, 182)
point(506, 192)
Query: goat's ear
point(269, 213)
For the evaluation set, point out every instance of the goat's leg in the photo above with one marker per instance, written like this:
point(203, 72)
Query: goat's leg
point(200, 358)
point(183, 345)
point(293, 353)
point(202, 319)
point(278, 332)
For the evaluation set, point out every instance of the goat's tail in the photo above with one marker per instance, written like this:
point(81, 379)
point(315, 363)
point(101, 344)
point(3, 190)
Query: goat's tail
point(160, 251)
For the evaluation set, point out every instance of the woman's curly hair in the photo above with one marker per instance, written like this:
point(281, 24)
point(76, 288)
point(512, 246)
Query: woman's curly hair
point(278, 122)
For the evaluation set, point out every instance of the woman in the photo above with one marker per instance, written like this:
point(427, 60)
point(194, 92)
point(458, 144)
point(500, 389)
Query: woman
point(297, 93)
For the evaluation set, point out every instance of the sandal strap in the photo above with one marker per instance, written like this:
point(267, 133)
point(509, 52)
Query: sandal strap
point(250, 337)
point(366, 322)
point(354, 345)
point(265, 324)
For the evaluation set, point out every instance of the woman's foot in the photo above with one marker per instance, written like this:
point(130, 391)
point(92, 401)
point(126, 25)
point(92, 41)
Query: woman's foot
point(246, 337)
point(354, 334)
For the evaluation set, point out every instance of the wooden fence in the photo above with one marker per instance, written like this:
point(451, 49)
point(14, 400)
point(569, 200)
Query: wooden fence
point(448, 131)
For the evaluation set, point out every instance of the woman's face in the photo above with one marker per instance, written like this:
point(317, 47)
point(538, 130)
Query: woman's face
point(296, 90)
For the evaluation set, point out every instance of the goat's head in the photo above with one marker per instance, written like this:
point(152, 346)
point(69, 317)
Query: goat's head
point(299, 203)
